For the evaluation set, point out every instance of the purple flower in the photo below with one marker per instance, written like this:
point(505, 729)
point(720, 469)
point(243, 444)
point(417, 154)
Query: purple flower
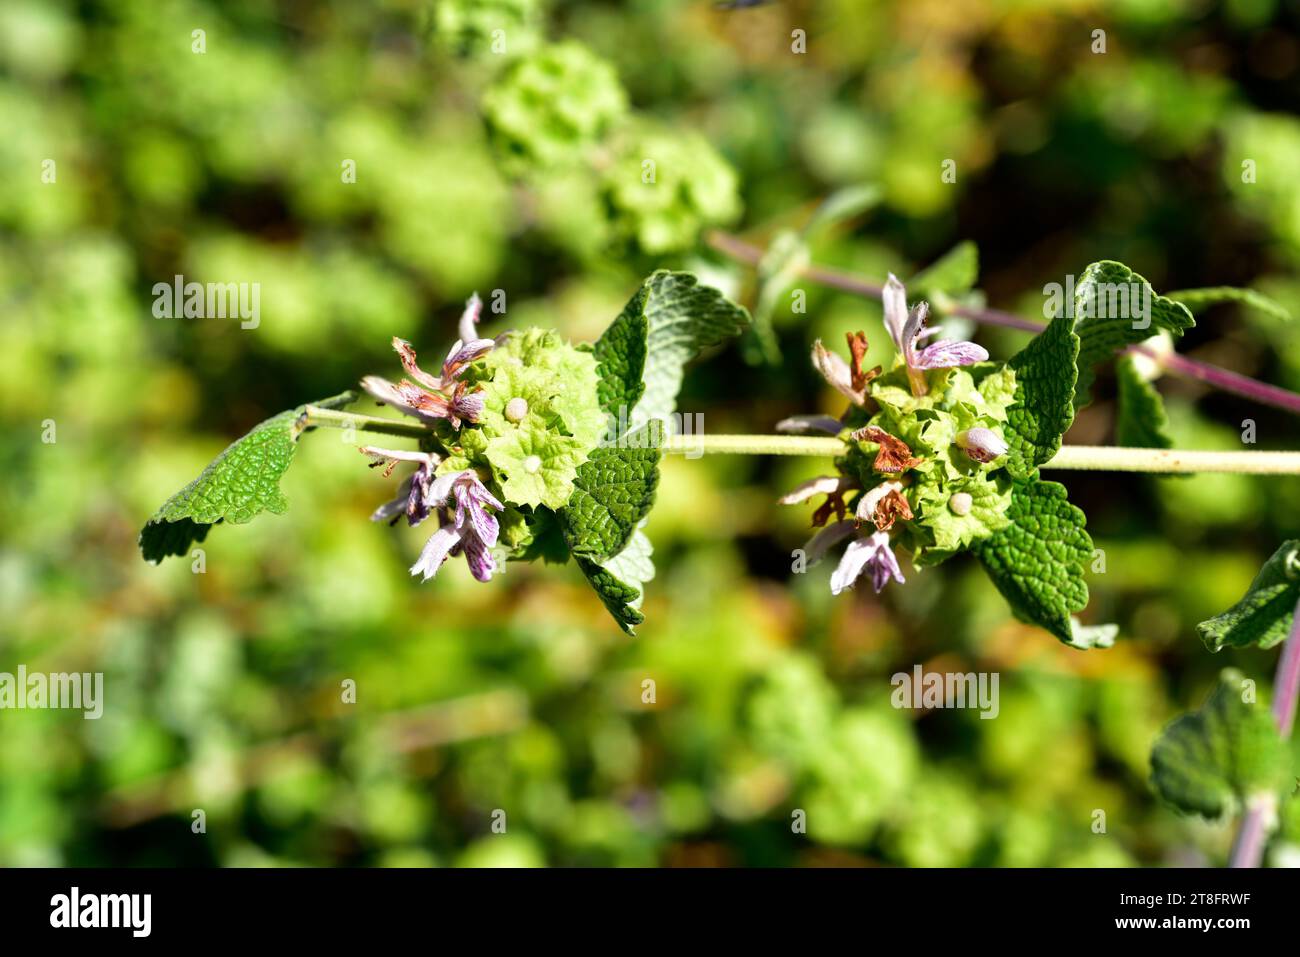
point(471, 529)
point(470, 317)
point(414, 496)
point(867, 554)
point(431, 397)
point(982, 445)
point(908, 328)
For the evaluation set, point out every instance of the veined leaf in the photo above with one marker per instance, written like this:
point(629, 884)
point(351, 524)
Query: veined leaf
point(1037, 562)
point(1210, 762)
point(238, 484)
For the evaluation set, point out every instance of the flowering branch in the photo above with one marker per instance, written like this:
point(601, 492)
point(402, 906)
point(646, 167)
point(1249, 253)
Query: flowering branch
point(1212, 375)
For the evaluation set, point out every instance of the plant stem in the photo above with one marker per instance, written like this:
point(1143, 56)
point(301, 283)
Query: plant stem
point(1099, 458)
point(334, 419)
point(1261, 810)
point(1074, 457)
point(1223, 379)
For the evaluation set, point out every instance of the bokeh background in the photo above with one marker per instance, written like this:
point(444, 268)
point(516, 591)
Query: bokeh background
point(223, 688)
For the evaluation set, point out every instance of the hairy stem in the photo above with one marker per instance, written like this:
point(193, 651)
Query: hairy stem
point(1076, 457)
point(1223, 379)
point(335, 419)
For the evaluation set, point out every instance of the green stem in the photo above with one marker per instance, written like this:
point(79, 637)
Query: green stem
point(1099, 458)
point(334, 419)
point(1076, 457)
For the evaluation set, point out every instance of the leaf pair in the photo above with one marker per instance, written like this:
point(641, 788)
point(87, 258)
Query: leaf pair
point(642, 358)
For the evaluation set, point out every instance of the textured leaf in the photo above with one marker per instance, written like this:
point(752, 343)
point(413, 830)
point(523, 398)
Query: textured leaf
point(1266, 612)
point(618, 596)
point(1037, 562)
point(241, 482)
point(1198, 299)
point(1044, 399)
point(1211, 761)
point(634, 565)
point(680, 318)
point(954, 273)
point(620, 353)
point(612, 493)
point(1107, 301)
point(1142, 421)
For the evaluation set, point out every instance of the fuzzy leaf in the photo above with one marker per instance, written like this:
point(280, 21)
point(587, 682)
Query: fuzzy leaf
point(680, 317)
point(1142, 421)
point(1106, 306)
point(1211, 761)
point(1044, 399)
point(241, 482)
point(1198, 299)
point(1037, 562)
point(612, 493)
point(634, 565)
point(616, 594)
point(1266, 612)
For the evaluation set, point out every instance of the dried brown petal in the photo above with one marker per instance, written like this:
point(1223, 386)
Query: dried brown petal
point(858, 349)
point(894, 456)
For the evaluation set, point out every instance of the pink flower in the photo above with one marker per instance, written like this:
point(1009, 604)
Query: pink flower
point(471, 530)
point(872, 554)
point(431, 397)
point(981, 445)
point(908, 328)
point(414, 495)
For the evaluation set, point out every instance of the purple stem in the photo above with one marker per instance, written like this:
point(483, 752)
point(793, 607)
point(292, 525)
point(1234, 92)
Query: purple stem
point(1248, 848)
point(1223, 379)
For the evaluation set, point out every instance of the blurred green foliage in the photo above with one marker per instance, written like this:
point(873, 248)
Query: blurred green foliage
point(223, 688)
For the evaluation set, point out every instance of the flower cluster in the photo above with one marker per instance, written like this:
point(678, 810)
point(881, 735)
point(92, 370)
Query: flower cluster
point(924, 446)
point(510, 421)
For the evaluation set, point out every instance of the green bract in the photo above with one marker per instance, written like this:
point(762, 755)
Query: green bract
point(553, 106)
point(540, 420)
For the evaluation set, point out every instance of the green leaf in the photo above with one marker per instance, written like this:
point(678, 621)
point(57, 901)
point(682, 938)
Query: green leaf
point(843, 204)
point(1037, 562)
point(1198, 299)
point(953, 273)
point(617, 595)
point(1044, 399)
point(780, 266)
point(620, 354)
point(238, 484)
point(680, 318)
point(1110, 304)
point(1142, 421)
point(1210, 762)
point(1265, 614)
point(612, 493)
point(634, 564)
